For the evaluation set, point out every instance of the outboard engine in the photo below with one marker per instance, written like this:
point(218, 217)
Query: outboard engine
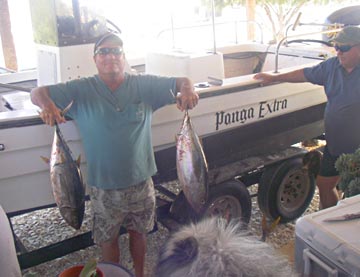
point(344, 16)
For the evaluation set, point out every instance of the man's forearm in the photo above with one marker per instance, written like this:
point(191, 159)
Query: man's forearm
point(50, 114)
point(183, 82)
point(186, 97)
point(296, 76)
point(40, 96)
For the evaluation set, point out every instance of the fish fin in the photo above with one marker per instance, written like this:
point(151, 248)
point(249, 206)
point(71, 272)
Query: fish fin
point(78, 161)
point(201, 142)
point(67, 108)
point(62, 158)
point(46, 160)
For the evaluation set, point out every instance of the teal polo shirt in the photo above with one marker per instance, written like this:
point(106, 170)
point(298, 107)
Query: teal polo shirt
point(115, 127)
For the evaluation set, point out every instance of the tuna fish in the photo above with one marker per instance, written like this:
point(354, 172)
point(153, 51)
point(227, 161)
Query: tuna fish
point(192, 169)
point(66, 180)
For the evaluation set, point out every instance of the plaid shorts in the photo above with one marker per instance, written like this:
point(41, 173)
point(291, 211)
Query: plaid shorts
point(133, 208)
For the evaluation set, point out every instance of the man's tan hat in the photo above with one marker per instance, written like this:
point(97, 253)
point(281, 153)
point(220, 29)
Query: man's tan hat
point(349, 35)
point(109, 36)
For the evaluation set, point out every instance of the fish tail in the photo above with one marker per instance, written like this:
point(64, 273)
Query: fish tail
point(67, 108)
point(61, 137)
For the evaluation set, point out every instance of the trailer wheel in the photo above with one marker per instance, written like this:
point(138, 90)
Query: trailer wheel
point(230, 200)
point(285, 190)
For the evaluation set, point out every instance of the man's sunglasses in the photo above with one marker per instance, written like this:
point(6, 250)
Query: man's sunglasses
point(343, 48)
point(117, 51)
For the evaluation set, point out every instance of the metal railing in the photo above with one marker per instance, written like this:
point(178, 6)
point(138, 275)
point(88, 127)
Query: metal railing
point(235, 23)
point(296, 36)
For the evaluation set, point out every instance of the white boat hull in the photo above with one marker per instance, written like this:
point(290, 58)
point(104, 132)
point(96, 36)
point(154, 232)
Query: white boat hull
point(239, 102)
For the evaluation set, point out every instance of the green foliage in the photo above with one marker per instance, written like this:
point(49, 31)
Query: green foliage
point(89, 269)
point(348, 166)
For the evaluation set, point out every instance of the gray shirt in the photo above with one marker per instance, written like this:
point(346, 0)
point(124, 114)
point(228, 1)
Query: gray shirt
point(342, 113)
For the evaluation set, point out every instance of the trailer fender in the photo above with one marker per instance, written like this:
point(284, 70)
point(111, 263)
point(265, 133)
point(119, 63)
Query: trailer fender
point(286, 190)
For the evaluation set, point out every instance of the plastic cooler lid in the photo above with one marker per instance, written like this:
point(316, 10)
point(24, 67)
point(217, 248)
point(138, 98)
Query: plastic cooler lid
point(338, 241)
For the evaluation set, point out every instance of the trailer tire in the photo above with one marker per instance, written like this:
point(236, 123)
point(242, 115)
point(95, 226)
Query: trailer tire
point(181, 211)
point(285, 190)
point(230, 200)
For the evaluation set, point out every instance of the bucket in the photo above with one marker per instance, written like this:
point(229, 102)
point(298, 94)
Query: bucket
point(74, 271)
point(112, 269)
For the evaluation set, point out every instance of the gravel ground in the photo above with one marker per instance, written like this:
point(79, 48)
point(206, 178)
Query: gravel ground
point(40, 228)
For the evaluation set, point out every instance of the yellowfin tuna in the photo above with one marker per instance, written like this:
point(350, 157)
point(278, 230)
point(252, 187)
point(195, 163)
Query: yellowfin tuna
point(191, 166)
point(66, 180)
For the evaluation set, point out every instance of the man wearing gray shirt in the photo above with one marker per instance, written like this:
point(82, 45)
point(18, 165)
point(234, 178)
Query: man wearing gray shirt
point(340, 77)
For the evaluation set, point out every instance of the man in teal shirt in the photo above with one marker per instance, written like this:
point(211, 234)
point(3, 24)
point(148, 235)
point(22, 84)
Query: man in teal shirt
point(113, 112)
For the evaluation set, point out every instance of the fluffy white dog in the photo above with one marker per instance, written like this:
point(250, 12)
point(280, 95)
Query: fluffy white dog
point(214, 248)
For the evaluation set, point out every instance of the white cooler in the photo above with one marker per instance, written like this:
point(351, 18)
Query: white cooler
point(329, 248)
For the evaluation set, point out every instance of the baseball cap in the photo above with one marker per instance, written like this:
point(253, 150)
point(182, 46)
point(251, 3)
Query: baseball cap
point(109, 36)
point(348, 35)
